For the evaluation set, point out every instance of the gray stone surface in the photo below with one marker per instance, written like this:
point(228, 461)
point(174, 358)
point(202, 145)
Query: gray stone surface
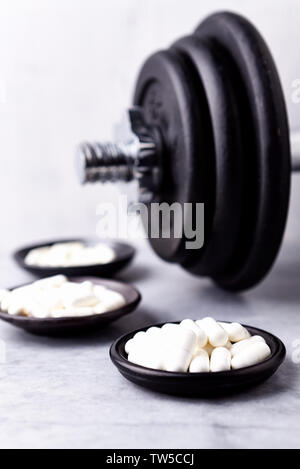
point(65, 393)
point(64, 87)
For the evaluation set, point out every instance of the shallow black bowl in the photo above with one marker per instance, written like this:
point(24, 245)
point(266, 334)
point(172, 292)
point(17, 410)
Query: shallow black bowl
point(199, 384)
point(123, 252)
point(77, 325)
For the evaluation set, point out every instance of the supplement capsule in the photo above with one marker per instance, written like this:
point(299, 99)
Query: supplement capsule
point(235, 331)
point(80, 300)
point(251, 355)
point(180, 338)
point(137, 357)
point(220, 359)
point(200, 362)
point(145, 355)
point(148, 351)
point(38, 312)
point(176, 359)
point(217, 336)
point(154, 331)
point(169, 326)
point(138, 337)
point(15, 308)
point(236, 348)
point(88, 286)
point(55, 281)
point(200, 333)
point(128, 346)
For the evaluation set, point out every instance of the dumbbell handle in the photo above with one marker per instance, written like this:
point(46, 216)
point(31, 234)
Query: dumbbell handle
point(134, 157)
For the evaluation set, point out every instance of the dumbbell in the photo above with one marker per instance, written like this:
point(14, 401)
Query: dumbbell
point(209, 124)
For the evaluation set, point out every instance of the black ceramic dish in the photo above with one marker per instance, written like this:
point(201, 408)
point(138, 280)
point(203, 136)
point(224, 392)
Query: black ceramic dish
point(123, 252)
point(83, 324)
point(199, 384)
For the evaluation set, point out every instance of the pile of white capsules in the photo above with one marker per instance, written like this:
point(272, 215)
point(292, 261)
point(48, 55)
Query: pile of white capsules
point(57, 297)
point(197, 346)
point(70, 254)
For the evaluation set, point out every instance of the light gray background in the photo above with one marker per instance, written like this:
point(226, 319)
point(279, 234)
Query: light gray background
point(67, 68)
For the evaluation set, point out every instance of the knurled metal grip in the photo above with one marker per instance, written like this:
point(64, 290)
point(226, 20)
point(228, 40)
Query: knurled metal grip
point(134, 155)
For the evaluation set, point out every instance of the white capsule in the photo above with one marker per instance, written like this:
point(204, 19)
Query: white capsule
point(135, 358)
point(251, 355)
point(145, 353)
point(134, 341)
point(176, 359)
point(35, 256)
point(139, 335)
point(235, 331)
point(172, 346)
point(78, 300)
point(54, 281)
point(110, 300)
point(237, 347)
point(15, 308)
point(129, 345)
point(12, 304)
point(21, 292)
point(154, 360)
point(169, 326)
point(217, 336)
point(77, 295)
point(220, 359)
point(180, 338)
point(138, 349)
point(88, 286)
point(138, 357)
point(37, 311)
point(113, 300)
point(99, 290)
point(200, 362)
point(59, 254)
point(155, 331)
point(193, 326)
point(103, 253)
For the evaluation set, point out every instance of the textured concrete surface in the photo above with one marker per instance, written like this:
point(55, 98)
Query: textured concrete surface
point(66, 393)
point(67, 70)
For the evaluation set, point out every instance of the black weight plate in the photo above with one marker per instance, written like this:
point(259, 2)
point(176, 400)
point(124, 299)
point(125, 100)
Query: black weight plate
point(163, 90)
point(199, 384)
point(268, 115)
point(211, 69)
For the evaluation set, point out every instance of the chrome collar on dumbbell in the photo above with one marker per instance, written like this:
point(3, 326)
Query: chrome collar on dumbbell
point(214, 115)
point(134, 155)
